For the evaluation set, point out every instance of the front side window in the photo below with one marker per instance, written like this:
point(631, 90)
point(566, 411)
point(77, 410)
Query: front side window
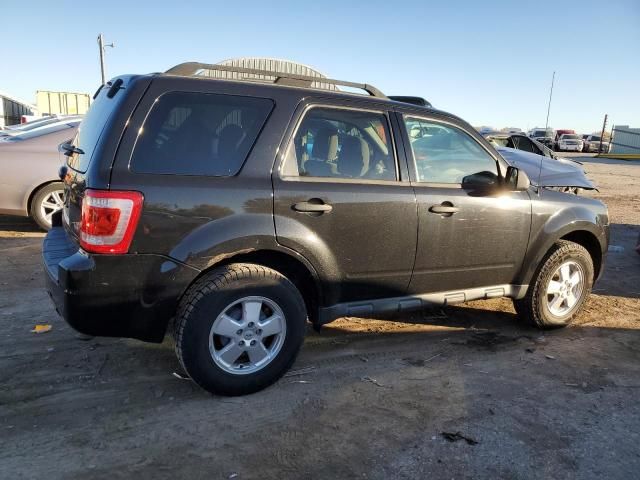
point(340, 143)
point(199, 134)
point(446, 154)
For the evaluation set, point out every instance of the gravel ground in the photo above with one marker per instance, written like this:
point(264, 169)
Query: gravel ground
point(464, 392)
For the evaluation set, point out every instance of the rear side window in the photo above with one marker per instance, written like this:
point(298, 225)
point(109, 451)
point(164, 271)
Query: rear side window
point(199, 134)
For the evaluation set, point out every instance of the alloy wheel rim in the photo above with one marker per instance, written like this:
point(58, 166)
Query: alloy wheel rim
point(247, 335)
point(565, 288)
point(52, 203)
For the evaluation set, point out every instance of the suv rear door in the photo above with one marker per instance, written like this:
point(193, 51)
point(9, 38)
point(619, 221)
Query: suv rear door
point(471, 233)
point(343, 200)
point(89, 162)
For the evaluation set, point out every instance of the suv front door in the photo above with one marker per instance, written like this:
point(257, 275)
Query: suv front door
point(471, 232)
point(343, 201)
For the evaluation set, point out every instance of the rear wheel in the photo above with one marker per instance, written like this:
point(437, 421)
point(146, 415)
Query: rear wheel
point(47, 201)
point(239, 329)
point(560, 287)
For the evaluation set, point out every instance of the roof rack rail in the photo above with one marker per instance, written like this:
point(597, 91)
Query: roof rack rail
point(190, 69)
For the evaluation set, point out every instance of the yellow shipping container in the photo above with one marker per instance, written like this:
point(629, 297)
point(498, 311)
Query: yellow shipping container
point(63, 103)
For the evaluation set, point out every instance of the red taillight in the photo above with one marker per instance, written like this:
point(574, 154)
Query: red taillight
point(109, 220)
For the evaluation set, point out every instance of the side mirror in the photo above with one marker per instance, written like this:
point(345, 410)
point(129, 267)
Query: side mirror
point(517, 179)
point(480, 179)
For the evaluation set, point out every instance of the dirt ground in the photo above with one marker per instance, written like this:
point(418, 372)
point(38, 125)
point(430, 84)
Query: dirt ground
point(366, 398)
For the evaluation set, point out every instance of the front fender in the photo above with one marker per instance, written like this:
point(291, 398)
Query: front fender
point(558, 215)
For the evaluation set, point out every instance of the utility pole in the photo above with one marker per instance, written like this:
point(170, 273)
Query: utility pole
point(102, 46)
point(546, 125)
point(604, 127)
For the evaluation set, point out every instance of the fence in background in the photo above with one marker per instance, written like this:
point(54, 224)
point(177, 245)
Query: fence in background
point(625, 140)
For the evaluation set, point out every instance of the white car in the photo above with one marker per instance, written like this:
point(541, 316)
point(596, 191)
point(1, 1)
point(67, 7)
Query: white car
point(592, 144)
point(39, 125)
point(570, 142)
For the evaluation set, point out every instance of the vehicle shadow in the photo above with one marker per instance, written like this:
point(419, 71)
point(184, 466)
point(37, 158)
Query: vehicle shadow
point(12, 223)
point(621, 277)
point(608, 161)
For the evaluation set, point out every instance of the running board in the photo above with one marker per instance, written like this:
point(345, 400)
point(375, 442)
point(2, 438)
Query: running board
point(371, 308)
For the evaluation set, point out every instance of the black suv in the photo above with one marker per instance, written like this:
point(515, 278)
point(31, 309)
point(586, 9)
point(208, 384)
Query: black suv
point(230, 212)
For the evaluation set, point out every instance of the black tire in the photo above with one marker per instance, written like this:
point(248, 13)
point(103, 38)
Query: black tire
point(208, 298)
point(534, 307)
point(47, 192)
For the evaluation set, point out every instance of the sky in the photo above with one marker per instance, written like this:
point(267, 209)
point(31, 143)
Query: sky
point(489, 62)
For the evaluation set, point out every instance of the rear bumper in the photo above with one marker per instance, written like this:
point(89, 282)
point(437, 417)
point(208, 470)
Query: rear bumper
point(131, 295)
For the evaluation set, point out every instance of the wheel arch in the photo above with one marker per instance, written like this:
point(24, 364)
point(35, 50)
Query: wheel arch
point(297, 269)
point(29, 199)
point(591, 243)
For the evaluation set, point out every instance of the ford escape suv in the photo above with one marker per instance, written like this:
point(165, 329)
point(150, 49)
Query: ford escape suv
point(230, 212)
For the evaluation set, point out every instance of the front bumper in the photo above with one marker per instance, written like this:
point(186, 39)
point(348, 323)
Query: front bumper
point(131, 295)
point(569, 148)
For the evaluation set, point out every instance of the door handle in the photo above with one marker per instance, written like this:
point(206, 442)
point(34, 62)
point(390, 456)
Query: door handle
point(446, 208)
point(312, 207)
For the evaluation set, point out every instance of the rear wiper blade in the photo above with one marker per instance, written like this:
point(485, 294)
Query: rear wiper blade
point(69, 149)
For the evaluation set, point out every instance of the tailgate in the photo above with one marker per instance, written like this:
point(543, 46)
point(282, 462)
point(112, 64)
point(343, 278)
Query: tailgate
point(85, 152)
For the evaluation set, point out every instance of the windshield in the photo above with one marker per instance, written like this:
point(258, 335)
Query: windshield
point(570, 137)
point(594, 138)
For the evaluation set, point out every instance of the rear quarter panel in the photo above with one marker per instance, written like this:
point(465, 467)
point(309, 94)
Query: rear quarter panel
point(201, 220)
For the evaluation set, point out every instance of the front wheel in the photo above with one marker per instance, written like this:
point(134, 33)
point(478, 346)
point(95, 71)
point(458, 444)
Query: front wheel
point(560, 287)
point(47, 201)
point(239, 328)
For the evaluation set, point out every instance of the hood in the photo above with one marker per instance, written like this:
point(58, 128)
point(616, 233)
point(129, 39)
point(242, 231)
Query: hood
point(547, 172)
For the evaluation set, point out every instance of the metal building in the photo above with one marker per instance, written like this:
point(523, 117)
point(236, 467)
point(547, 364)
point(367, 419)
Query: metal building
point(62, 103)
point(270, 64)
point(625, 140)
point(12, 108)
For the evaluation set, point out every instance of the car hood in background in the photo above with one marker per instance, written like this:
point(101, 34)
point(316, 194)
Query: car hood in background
point(548, 172)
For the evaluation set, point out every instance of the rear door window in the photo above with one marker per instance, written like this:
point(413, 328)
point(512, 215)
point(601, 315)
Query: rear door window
point(342, 143)
point(189, 133)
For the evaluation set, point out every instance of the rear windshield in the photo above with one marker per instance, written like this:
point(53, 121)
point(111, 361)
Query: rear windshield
point(91, 128)
point(199, 134)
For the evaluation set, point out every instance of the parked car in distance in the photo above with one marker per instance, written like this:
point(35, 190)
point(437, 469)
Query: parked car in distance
point(541, 135)
point(38, 127)
point(562, 174)
point(557, 135)
point(196, 205)
point(520, 142)
point(592, 144)
point(569, 142)
point(29, 185)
